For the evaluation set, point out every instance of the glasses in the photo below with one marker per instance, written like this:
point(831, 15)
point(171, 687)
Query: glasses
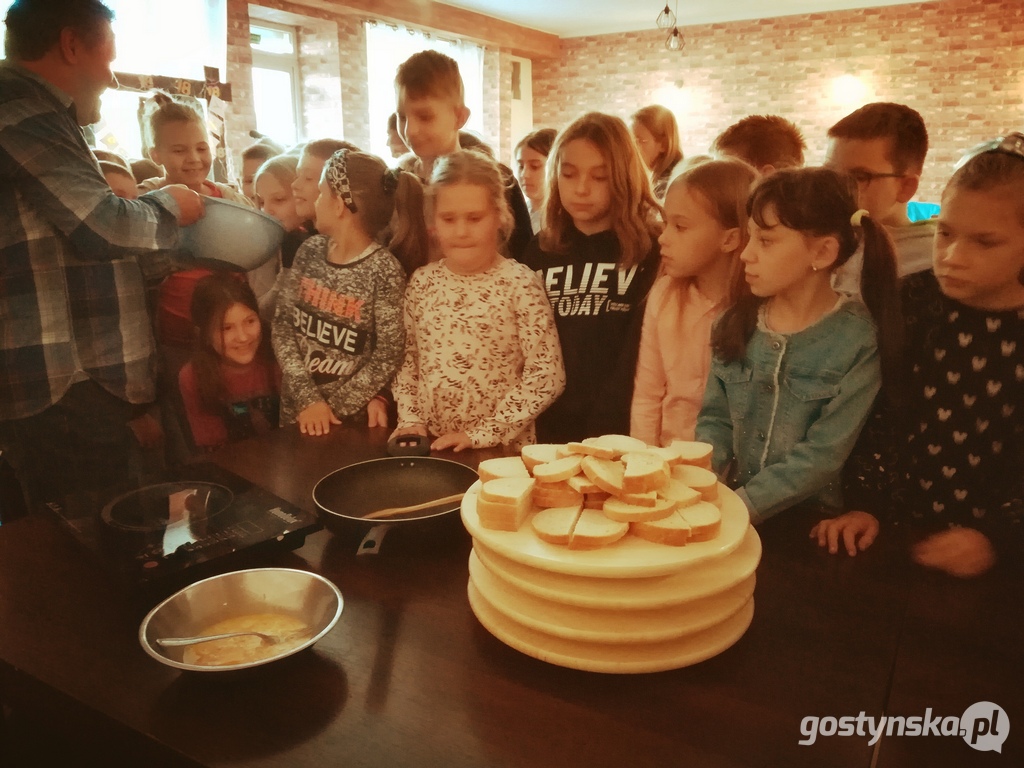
point(1011, 144)
point(863, 178)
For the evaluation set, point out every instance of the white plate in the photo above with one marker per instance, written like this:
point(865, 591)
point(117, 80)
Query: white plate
point(690, 582)
point(608, 625)
point(614, 658)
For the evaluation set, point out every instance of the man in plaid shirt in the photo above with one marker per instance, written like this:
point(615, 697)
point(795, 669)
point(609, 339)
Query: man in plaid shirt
point(76, 347)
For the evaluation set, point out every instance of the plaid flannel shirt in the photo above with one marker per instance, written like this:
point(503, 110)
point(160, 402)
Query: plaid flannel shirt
point(72, 299)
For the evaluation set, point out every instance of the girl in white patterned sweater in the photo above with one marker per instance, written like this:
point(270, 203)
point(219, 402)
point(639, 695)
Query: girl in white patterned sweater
point(482, 357)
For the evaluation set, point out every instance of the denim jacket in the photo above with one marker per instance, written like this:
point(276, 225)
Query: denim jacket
point(790, 412)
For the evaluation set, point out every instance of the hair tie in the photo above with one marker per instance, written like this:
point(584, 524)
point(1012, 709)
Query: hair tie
point(390, 180)
point(859, 214)
point(336, 175)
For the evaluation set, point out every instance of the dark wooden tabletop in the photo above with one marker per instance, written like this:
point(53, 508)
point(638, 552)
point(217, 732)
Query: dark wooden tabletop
point(410, 678)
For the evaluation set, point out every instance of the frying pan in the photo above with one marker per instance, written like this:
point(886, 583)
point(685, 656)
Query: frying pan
point(344, 497)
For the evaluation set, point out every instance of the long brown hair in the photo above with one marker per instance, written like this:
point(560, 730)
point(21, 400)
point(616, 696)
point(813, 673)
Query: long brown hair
point(663, 127)
point(389, 206)
point(818, 202)
point(213, 296)
point(636, 214)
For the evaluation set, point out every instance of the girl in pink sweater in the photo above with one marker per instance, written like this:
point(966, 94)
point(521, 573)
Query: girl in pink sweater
point(705, 232)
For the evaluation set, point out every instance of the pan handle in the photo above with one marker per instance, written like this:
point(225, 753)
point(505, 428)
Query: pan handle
point(409, 445)
point(370, 545)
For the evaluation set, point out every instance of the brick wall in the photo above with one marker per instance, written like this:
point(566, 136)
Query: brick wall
point(960, 63)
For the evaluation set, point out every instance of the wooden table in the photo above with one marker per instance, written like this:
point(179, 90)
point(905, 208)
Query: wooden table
point(410, 678)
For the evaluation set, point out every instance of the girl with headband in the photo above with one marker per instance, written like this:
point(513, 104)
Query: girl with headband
point(797, 365)
point(337, 328)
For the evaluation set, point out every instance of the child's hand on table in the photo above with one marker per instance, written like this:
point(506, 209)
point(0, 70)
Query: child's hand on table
point(858, 531)
point(316, 419)
point(962, 552)
point(377, 410)
point(457, 441)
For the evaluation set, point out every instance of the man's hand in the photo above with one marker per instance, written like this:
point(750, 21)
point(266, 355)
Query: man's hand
point(190, 204)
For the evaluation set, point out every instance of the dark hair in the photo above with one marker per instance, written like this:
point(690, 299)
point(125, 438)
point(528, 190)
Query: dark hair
point(763, 140)
point(261, 150)
point(430, 73)
point(540, 141)
point(106, 156)
point(34, 26)
point(389, 206)
point(213, 296)
point(635, 214)
point(819, 202)
point(988, 170)
point(472, 142)
point(119, 168)
point(144, 168)
point(903, 126)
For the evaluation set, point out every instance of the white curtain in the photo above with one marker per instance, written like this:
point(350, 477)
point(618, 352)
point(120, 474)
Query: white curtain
point(387, 46)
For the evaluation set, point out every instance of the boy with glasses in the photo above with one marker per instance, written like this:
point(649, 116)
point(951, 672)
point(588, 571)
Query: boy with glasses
point(882, 147)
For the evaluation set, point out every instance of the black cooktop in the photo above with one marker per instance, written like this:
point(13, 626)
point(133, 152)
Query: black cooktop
point(200, 515)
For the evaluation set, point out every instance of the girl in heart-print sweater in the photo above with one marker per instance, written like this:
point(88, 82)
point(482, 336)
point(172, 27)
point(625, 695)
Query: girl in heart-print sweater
point(951, 460)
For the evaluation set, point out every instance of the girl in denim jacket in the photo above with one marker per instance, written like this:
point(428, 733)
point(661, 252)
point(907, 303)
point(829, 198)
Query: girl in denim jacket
point(797, 365)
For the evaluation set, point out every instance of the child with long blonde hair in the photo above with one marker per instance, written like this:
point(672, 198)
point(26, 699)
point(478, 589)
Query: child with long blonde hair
point(597, 258)
point(657, 136)
point(482, 358)
point(338, 324)
point(705, 232)
point(272, 185)
point(797, 365)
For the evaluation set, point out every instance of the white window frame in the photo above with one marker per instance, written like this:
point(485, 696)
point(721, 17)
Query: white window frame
point(283, 62)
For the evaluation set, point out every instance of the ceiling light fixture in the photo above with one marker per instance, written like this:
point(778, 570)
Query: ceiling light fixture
point(666, 18)
point(675, 41)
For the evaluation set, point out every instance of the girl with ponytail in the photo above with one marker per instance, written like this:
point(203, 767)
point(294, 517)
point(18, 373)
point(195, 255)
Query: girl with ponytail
point(796, 364)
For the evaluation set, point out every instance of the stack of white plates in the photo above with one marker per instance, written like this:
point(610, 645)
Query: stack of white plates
point(634, 606)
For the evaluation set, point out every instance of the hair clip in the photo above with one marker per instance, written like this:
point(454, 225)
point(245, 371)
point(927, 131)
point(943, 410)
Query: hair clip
point(390, 180)
point(858, 215)
point(1010, 144)
point(336, 175)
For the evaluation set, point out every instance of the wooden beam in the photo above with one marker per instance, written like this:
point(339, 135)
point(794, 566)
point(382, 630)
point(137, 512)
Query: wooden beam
point(447, 19)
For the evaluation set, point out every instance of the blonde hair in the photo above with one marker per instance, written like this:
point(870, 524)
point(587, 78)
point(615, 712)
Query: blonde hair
point(389, 205)
point(467, 166)
point(634, 210)
point(430, 73)
point(168, 110)
point(281, 167)
point(723, 186)
point(662, 125)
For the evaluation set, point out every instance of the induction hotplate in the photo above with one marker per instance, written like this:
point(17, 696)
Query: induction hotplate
point(200, 518)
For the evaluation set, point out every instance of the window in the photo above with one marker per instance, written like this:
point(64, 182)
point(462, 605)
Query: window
point(155, 37)
point(275, 82)
point(387, 46)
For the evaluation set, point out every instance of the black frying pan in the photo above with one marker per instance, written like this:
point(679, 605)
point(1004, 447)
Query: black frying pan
point(344, 497)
